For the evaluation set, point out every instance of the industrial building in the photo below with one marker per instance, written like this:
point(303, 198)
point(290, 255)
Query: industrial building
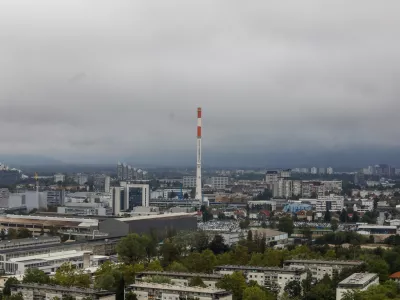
point(36, 223)
point(144, 224)
point(29, 242)
point(357, 281)
point(42, 291)
point(319, 268)
point(181, 278)
point(147, 291)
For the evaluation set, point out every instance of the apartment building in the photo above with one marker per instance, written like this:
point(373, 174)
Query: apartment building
point(274, 279)
point(333, 203)
point(271, 177)
point(357, 281)
point(189, 181)
point(219, 182)
point(43, 292)
point(147, 291)
point(282, 188)
point(180, 278)
point(319, 268)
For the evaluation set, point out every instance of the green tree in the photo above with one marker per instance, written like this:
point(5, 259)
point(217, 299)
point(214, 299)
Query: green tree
point(155, 265)
point(7, 285)
point(327, 216)
point(169, 252)
point(201, 240)
point(355, 218)
point(68, 275)
point(379, 266)
point(131, 249)
point(235, 283)
point(12, 234)
point(343, 216)
point(286, 225)
point(334, 225)
point(217, 245)
point(293, 288)
point(256, 293)
point(177, 267)
point(111, 277)
point(35, 276)
point(17, 296)
point(130, 296)
point(197, 281)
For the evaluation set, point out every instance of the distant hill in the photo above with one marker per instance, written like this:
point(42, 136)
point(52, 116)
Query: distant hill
point(16, 161)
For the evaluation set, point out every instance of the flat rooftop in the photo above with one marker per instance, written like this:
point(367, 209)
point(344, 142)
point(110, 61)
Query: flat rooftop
point(358, 280)
point(160, 216)
point(171, 287)
point(326, 262)
point(180, 274)
point(60, 288)
point(33, 240)
point(260, 269)
point(41, 221)
point(49, 256)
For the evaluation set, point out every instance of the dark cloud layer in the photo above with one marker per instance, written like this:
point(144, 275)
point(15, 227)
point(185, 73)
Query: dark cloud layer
point(118, 79)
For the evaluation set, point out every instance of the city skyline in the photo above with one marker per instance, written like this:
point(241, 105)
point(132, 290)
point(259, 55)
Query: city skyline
point(301, 83)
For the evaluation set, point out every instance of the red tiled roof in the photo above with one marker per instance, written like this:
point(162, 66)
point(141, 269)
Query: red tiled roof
point(395, 275)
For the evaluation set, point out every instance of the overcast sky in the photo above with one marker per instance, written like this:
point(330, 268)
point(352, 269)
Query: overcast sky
point(122, 79)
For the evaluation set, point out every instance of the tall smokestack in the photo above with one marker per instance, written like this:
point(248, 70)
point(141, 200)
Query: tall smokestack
point(198, 169)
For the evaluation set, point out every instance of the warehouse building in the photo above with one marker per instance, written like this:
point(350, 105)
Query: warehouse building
point(144, 224)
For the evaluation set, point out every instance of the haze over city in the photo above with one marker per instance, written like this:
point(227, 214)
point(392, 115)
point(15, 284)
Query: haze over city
point(295, 83)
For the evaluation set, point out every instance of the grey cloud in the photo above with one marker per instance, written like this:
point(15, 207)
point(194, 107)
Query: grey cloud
point(124, 79)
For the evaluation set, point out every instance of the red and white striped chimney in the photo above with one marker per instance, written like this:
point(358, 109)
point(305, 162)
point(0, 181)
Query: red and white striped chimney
point(198, 165)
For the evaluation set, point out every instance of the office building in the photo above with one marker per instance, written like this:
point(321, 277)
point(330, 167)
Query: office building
point(329, 171)
point(128, 195)
point(59, 177)
point(180, 278)
point(189, 181)
point(333, 203)
point(219, 182)
point(55, 198)
point(81, 179)
point(274, 279)
point(4, 196)
point(42, 291)
point(148, 291)
point(319, 268)
point(107, 181)
point(357, 281)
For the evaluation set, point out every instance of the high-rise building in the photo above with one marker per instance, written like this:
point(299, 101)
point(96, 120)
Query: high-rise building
point(314, 170)
point(199, 194)
point(329, 171)
point(321, 170)
point(120, 172)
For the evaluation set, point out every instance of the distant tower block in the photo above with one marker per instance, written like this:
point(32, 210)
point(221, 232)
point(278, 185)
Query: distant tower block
point(198, 165)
